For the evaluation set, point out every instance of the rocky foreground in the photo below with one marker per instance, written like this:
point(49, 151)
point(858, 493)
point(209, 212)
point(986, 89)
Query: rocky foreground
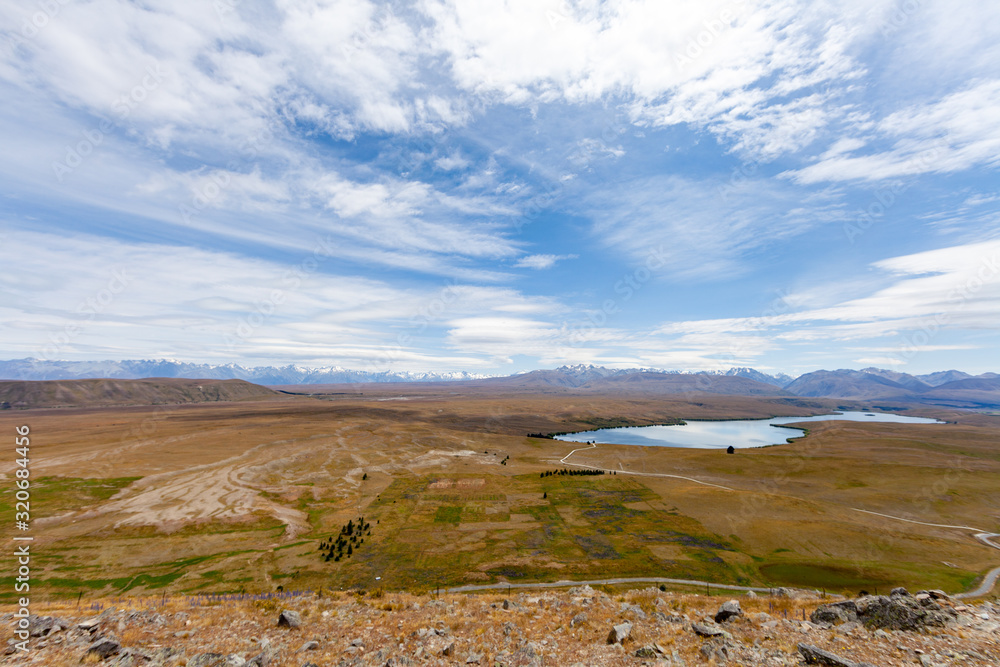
point(581, 626)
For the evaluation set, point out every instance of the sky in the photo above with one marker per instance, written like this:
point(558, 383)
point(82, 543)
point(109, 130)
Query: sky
point(498, 186)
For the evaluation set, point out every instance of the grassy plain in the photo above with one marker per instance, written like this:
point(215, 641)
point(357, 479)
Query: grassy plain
point(230, 497)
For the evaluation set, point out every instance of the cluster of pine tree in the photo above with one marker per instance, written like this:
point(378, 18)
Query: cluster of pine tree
point(504, 462)
point(564, 471)
point(351, 537)
point(547, 436)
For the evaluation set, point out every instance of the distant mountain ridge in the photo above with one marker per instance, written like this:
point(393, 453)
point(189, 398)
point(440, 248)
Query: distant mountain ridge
point(950, 387)
point(135, 369)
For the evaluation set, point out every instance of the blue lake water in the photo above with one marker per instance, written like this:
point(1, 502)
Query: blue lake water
point(721, 434)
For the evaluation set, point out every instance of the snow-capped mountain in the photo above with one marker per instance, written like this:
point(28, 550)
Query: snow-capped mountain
point(36, 369)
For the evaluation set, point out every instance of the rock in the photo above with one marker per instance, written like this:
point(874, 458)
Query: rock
point(816, 656)
point(449, 650)
point(634, 611)
point(42, 626)
point(264, 658)
point(646, 652)
point(727, 611)
point(528, 654)
point(289, 619)
point(578, 620)
point(89, 625)
point(309, 646)
point(473, 658)
point(620, 633)
point(718, 653)
point(164, 654)
point(706, 630)
point(899, 592)
point(848, 627)
point(835, 613)
point(751, 595)
point(215, 660)
point(103, 648)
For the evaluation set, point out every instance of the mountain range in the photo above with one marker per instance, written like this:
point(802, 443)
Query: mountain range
point(134, 369)
point(952, 387)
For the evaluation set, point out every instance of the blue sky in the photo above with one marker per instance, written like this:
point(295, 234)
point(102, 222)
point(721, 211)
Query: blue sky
point(498, 186)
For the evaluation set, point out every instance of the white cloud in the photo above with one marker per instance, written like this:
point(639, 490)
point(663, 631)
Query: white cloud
point(948, 289)
point(87, 297)
point(702, 229)
point(451, 162)
point(540, 261)
point(954, 133)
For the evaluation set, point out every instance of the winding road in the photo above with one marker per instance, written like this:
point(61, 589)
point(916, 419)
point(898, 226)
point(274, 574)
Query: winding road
point(989, 581)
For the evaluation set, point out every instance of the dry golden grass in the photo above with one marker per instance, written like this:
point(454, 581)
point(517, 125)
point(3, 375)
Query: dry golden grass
point(255, 473)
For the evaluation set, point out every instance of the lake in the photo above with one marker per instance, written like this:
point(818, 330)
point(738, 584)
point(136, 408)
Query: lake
point(740, 434)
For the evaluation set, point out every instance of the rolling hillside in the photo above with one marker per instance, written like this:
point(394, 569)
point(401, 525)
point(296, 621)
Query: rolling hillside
point(98, 393)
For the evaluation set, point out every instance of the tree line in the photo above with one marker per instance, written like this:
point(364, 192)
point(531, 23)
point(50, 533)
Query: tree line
point(566, 471)
point(352, 535)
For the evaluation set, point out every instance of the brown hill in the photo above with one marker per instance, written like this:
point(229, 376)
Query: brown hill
point(682, 383)
point(846, 383)
point(972, 393)
point(101, 393)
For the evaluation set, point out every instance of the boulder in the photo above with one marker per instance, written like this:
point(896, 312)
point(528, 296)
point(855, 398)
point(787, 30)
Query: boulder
point(619, 633)
point(646, 652)
point(728, 610)
point(289, 619)
point(90, 624)
point(706, 630)
point(814, 655)
point(835, 613)
point(715, 652)
point(896, 612)
point(901, 613)
point(103, 648)
point(42, 626)
point(206, 660)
